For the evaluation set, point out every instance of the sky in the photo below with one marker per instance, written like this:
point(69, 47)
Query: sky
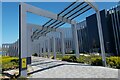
point(10, 16)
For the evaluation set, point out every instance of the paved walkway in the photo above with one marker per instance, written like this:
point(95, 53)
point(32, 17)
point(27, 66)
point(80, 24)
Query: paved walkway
point(48, 68)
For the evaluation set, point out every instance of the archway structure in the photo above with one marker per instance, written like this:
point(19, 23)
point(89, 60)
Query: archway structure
point(57, 20)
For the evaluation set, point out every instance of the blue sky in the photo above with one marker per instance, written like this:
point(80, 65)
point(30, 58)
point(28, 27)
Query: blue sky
point(10, 16)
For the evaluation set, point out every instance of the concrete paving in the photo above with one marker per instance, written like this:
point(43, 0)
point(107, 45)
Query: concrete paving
point(48, 68)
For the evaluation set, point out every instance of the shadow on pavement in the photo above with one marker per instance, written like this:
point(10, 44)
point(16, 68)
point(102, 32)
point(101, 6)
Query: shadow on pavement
point(54, 66)
point(45, 69)
point(43, 63)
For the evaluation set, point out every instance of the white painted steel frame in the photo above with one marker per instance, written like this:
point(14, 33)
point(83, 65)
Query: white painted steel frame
point(23, 30)
point(29, 33)
point(99, 30)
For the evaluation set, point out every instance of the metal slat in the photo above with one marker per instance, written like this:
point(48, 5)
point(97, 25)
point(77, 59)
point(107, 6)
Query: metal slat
point(52, 23)
point(59, 25)
point(80, 13)
point(66, 8)
point(73, 9)
point(62, 12)
point(56, 25)
point(74, 17)
point(51, 27)
point(77, 11)
point(58, 15)
point(43, 26)
point(47, 22)
point(49, 31)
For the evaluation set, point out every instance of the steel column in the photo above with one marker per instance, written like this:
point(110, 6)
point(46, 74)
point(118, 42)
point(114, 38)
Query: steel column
point(54, 47)
point(62, 43)
point(23, 39)
point(44, 48)
point(101, 38)
point(75, 40)
point(48, 48)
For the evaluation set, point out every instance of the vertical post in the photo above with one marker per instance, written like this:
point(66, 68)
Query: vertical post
point(40, 49)
point(13, 54)
point(9, 50)
point(75, 39)
point(29, 46)
point(48, 48)
point(101, 38)
point(34, 51)
point(37, 46)
point(54, 47)
point(44, 47)
point(15, 49)
point(2, 49)
point(62, 44)
point(22, 41)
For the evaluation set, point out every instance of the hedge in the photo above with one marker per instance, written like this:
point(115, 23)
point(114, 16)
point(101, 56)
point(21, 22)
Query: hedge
point(65, 58)
point(69, 58)
point(113, 62)
point(9, 62)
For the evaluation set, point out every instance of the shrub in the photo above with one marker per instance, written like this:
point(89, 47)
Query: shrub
point(82, 59)
point(65, 58)
point(114, 62)
point(15, 60)
point(35, 54)
point(69, 58)
point(111, 64)
point(52, 57)
point(9, 63)
point(72, 59)
point(96, 61)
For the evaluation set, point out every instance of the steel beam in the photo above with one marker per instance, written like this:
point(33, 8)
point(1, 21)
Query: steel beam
point(92, 4)
point(44, 13)
point(39, 27)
